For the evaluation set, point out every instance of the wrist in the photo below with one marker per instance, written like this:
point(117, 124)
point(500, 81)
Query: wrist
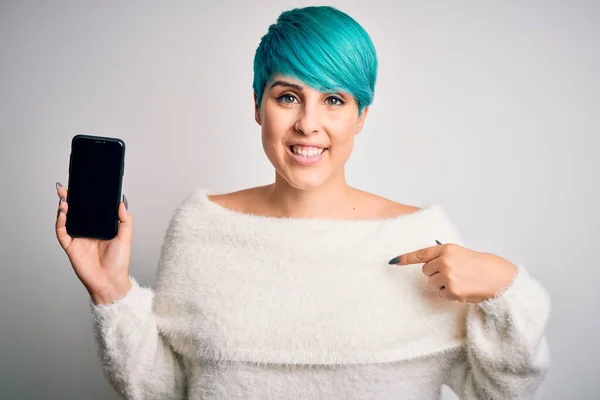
point(111, 293)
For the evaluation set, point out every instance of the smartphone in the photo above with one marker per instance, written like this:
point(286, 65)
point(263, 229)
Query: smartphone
point(96, 169)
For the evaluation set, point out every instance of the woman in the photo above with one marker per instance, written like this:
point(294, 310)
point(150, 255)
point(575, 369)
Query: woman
point(285, 291)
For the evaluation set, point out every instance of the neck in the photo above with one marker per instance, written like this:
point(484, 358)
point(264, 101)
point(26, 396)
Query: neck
point(329, 200)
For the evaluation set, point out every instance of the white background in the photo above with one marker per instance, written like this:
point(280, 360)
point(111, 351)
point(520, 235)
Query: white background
point(488, 108)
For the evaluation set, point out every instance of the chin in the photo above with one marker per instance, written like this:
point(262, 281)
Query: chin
point(305, 180)
point(299, 176)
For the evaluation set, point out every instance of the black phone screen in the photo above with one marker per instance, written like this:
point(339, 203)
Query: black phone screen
point(95, 183)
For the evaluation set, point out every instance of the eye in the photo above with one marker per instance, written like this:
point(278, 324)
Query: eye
point(286, 96)
point(338, 102)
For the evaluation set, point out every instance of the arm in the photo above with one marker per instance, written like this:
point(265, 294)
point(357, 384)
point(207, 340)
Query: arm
point(506, 354)
point(136, 359)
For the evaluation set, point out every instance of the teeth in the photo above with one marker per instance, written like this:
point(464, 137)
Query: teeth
point(307, 151)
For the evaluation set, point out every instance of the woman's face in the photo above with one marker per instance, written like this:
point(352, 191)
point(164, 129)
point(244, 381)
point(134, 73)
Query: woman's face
point(307, 135)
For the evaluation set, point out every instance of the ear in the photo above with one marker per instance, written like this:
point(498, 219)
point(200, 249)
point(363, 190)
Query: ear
point(361, 120)
point(256, 110)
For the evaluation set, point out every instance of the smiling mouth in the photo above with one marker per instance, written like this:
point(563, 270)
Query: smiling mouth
point(307, 152)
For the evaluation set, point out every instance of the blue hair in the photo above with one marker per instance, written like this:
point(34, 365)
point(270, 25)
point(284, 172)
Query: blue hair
point(322, 47)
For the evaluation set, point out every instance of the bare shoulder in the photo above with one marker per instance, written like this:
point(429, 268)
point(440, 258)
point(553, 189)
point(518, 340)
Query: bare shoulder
point(238, 200)
point(383, 207)
point(397, 209)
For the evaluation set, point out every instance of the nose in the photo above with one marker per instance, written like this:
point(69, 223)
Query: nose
point(309, 120)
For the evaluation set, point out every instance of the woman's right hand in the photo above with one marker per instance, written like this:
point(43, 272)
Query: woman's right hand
point(101, 265)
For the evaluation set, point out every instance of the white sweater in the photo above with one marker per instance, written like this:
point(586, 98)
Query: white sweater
point(254, 307)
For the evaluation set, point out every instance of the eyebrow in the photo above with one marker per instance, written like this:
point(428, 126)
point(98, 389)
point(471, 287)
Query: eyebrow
point(284, 83)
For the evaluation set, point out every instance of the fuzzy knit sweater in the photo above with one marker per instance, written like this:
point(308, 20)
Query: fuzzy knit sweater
point(254, 307)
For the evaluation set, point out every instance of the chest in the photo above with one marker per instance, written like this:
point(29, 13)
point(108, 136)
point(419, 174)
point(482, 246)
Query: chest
point(319, 303)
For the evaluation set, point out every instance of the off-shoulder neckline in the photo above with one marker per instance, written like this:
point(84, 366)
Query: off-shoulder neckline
point(203, 193)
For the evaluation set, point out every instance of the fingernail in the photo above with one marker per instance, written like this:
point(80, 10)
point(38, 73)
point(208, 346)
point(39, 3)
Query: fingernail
point(58, 185)
point(125, 202)
point(394, 260)
point(438, 242)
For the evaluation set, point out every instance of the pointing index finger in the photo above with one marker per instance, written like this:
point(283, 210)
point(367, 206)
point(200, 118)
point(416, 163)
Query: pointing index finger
point(418, 256)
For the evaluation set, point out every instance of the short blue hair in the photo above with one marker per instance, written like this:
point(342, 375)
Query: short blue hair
point(322, 47)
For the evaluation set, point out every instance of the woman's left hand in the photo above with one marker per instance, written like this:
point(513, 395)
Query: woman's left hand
point(461, 274)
